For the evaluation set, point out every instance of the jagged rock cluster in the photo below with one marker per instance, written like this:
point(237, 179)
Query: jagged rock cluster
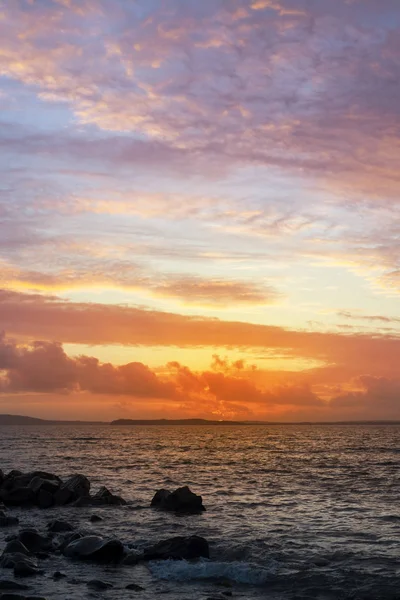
point(45, 490)
point(26, 549)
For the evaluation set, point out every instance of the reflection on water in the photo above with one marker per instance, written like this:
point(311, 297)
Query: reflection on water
point(307, 511)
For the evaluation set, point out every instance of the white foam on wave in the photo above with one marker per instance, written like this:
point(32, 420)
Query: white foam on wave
point(240, 572)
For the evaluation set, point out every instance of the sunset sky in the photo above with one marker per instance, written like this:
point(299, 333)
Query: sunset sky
point(199, 209)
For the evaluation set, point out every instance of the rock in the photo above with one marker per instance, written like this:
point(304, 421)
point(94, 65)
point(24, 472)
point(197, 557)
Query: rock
point(44, 499)
point(178, 548)
point(134, 587)
point(24, 569)
point(6, 521)
point(104, 496)
point(132, 558)
point(16, 546)
point(20, 496)
point(2, 476)
point(8, 561)
point(12, 585)
point(70, 537)
point(59, 575)
point(95, 519)
point(182, 500)
point(96, 549)
point(49, 485)
point(33, 540)
point(59, 526)
point(97, 584)
point(12, 597)
point(160, 497)
point(75, 487)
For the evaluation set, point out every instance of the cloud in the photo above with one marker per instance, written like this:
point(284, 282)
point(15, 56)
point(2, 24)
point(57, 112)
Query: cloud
point(43, 368)
point(50, 317)
point(305, 88)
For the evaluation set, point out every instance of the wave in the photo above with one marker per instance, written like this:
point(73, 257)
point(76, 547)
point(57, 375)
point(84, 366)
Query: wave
point(239, 572)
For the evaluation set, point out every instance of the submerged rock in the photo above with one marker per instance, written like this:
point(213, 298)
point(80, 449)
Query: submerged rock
point(7, 521)
point(178, 548)
point(97, 584)
point(103, 497)
point(96, 549)
point(59, 526)
point(23, 568)
point(95, 518)
point(6, 584)
point(135, 587)
point(182, 500)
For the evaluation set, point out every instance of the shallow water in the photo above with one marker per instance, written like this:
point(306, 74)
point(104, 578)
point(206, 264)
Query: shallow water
point(293, 511)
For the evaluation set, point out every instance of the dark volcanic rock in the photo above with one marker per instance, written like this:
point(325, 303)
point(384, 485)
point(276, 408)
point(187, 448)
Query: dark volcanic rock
point(49, 485)
point(96, 549)
point(135, 587)
point(6, 584)
point(59, 575)
point(77, 486)
point(22, 568)
point(95, 519)
point(104, 496)
point(33, 540)
point(44, 499)
point(182, 500)
point(8, 561)
point(59, 526)
point(160, 497)
point(178, 548)
point(97, 584)
point(19, 496)
point(16, 546)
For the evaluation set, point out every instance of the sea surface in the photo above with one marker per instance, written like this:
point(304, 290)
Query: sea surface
point(293, 511)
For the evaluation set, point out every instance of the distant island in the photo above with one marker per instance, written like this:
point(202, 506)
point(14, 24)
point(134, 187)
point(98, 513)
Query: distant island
point(11, 420)
point(23, 420)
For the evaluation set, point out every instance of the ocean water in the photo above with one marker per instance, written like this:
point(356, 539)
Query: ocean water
point(293, 511)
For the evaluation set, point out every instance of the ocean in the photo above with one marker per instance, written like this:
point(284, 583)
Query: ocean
point(293, 511)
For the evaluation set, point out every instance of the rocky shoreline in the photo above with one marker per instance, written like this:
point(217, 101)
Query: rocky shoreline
point(27, 549)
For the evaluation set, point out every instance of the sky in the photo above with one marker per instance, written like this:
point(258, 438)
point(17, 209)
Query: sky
point(200, 209)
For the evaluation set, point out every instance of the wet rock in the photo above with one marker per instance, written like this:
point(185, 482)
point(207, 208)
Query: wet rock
point(16, 546)
point(95, 519)
point(134, 587)
point(178, 548)
point(59, 575)
point(75, 487)
point(24, 569)
point(7, 521)
point(44, 499)
point(49, 485)
point(8, 561)
point(104, 497)
point(59, 526)
point(182, 500)
point(6, 584)
point(70, 537)
point(96, 549)
point(132, 558)
point(20, 496)
point(97, 584)
point(33, 540)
